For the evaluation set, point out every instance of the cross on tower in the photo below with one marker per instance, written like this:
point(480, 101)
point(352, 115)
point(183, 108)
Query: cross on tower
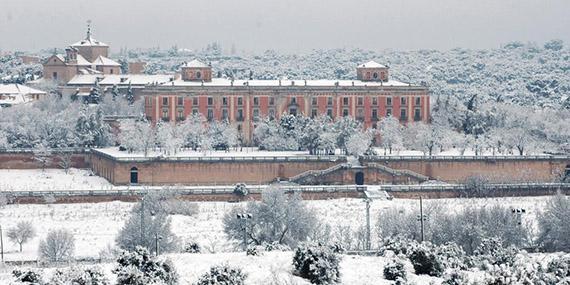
point(88, 29)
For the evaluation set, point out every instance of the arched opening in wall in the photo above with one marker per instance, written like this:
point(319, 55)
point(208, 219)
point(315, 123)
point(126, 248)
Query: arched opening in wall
point(359, 178)
point(134, 175)
point(567, 173)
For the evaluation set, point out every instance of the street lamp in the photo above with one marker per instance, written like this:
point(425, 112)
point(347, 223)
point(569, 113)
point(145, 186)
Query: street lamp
point(422, 218)
point(519, 212)
point(367, 201)
point(244, 217)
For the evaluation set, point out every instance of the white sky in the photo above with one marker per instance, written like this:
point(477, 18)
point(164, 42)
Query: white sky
point(287, 25)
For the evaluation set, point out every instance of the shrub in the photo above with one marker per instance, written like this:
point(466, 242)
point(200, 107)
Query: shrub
point(30, 276)
point(79, 276)
point(395, 270)
point(59, 245)
point(319, 264)
point(275, 246)
point(241, 189)
point(253, 251)
point(398, 246)
point(492, 252)
point(192, 247)
point(477, 186)
point(223, 275)
point(139, 267)
point(451, 255)
point(425, 261)
point(560, 266)
point(454, 277)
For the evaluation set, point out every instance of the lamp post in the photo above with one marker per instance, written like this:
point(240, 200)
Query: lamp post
point(367, 201)
point(244, 217)
point(519, 212)
point(2, 244)
point(157, 238)
point(422, 218)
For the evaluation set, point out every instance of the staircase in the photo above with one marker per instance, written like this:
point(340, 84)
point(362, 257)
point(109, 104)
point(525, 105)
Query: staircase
point(399, 172)
point(375, 192)
point(316, 173)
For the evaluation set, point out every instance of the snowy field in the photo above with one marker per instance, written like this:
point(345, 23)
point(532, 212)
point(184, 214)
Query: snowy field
point(243, 152)
point(50, 179)
point(96, 225)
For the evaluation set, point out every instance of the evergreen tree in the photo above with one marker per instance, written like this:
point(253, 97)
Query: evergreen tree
point(130, 96)
point(115, 92)
point(95, 94)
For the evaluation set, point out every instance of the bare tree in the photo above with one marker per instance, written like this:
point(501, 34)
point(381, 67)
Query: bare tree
point(43, 156)
point(21, 233)
point(59, 245)
point(65, 161)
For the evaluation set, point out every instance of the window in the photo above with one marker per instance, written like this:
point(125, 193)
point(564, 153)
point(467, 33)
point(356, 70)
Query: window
point(345, 112)
point(255, 101)
point(360, 114)
point(195, 111)
point(240, 115)
point(374, 114)
point(417, 115)
point(389, 112)
point(272, 113)
point(375, 101)
point(375, 75)
point(389, 101)
point(224, 114)
point(111, 71)
point(180, 115)
point(271, 101)
point(345, 101)
point(164, 101)
point(198, 74)
point(180, 101)
point(403, 116)
point(54, 75)
point(293, 111)
point(134, 175)
point(403, 100)
point(360, 101)
point(256, 114)
point(293, 100)
point(314, 101)
point(418, 101)
point(329, 113)
point(225, 101)
point(314, 112)
point(195, 101)
point(330, 101)
point(165, 114)
point(210, 114)
point(240, 101)
point(210, 101)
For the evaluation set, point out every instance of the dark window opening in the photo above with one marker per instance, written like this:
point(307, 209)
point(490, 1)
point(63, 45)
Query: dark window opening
point(134, 175)
point(359, 178)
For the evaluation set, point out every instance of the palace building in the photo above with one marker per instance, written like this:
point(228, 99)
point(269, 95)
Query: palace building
point(88, 56)
point(370, 97)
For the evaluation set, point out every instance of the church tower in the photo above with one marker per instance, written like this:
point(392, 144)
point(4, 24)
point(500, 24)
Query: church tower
point(91, 48)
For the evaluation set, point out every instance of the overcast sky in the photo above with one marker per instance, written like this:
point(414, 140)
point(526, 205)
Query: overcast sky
point(286, 25)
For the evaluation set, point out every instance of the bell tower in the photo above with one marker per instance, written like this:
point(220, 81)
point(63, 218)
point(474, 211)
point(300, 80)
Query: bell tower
point(372, 71)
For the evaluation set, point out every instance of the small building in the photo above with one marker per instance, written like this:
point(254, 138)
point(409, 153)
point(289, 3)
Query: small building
point(14, 94)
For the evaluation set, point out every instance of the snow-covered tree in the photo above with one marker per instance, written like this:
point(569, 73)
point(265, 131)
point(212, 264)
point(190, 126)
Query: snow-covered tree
point(137, 136)
point(168, 137)
point(346, 127)
point(95, 94)
point(90, 129)
point(130, 95)
point(390, 133)
point(358, 143)
point(21, 233)
point(222, 135)
point(139, 267)
point(424, 137)
point(59, 245)
point(193, 131)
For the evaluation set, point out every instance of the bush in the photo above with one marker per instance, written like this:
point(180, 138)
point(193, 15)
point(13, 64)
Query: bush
point(451, 255)
point(30, 276)
point(275, 246)
point(560, 266)
point(253, 251)
point(395, 270)
point(139, 267)
point(79, 276)
point(192, 247)
point(398, 246)
point(319, 264)
point(59, 245)
point(223, 275)
point(241, 189)
point(454, 277)
point(492, 252)
point(425, 261)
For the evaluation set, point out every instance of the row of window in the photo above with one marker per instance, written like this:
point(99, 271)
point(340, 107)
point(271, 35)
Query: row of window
point(293, 110)
point(293, 100)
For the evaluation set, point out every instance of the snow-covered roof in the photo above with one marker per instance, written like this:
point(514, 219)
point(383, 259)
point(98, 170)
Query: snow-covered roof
point(274, 83)
point(195, 63)
point(89, 41)
point(119, 79)
point(82, 61)
point(101, 60)
point(9, 89)
point(372, 64)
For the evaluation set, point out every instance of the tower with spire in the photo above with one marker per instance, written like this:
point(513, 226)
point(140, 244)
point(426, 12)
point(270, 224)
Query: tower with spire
point(90, 48)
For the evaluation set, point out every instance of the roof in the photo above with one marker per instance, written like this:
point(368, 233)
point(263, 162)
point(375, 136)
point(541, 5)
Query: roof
point(82, 61)
point(7, 89)
point(195, 63)
point(223, 82)
point(89, 41)
point(120, 79)
point(372, 64)
point(101, 60)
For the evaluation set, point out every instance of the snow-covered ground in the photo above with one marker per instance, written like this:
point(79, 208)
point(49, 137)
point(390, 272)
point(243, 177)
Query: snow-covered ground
point(50, 179)
point(243, 152)
point(96, 225)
